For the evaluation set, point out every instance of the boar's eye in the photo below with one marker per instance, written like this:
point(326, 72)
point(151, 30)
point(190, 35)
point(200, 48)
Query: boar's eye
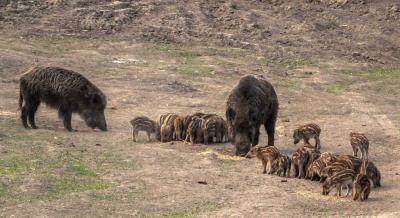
point(230, 114)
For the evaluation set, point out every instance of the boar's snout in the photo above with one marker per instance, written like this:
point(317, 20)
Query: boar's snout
point(103, 127)
point(95, 119)
point(101, 123)
point(242, 144)
point(242, 151)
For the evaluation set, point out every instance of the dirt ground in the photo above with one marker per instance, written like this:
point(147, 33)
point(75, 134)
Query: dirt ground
point(335, 63)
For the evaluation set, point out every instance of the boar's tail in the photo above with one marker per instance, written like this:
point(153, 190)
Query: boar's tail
point(21, 100)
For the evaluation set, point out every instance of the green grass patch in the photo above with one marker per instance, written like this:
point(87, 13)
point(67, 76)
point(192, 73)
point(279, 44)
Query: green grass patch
point(187, 60)
point(81, 169)
point(30, 172)
point(195, 70)
point(224, 52)
point(3, 189)
point(194, 211)
point(52, 187)
point(290, 64)
point(54, 46)
point(293, 84)
point(57, 177)
point(174, 51)
point(337, 88)
point(16, 165)
point(58, 187)
point(293, 64)
point(266, 62)
point(382, 74)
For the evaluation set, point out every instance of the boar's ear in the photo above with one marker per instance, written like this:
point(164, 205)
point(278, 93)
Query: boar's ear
point(95, 99)
point(230, 114)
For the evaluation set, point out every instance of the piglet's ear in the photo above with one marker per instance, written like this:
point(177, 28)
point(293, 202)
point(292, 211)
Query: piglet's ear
point(95, 99)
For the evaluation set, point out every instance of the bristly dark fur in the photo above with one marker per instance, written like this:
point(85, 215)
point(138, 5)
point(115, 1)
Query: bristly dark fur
point(251, 103)
point(65, 90)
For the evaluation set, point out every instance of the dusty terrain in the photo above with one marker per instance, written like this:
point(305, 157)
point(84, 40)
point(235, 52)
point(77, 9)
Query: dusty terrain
point(335, 63)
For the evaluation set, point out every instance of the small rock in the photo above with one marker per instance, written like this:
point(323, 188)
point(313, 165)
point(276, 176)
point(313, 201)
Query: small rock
point(119, 5)
point(72, 144)
point(364, 125)
point(397, 174)
point(113, 108)
point(97, 144)
point(229, 187)
point(395, 8)
point(203, 182)
point(308, 73)
point(339, 145)
point(284, 180)
point(286, 120)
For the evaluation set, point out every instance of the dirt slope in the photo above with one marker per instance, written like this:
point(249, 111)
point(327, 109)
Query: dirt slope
point(359, 31)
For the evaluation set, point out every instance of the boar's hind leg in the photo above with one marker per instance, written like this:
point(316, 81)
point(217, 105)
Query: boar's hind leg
point(28, 111)
point(24, 116)
point(66, 115)
point(33, 106)
point(270, 128)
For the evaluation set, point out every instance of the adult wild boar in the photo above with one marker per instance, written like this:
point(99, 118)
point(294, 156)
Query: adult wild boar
point(64, 90)
point(252, 102)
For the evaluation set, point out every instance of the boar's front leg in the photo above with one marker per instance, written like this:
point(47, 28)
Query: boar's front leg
point(66, 115)
point(24, 116)
point(256, 137)
point(270, 129)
